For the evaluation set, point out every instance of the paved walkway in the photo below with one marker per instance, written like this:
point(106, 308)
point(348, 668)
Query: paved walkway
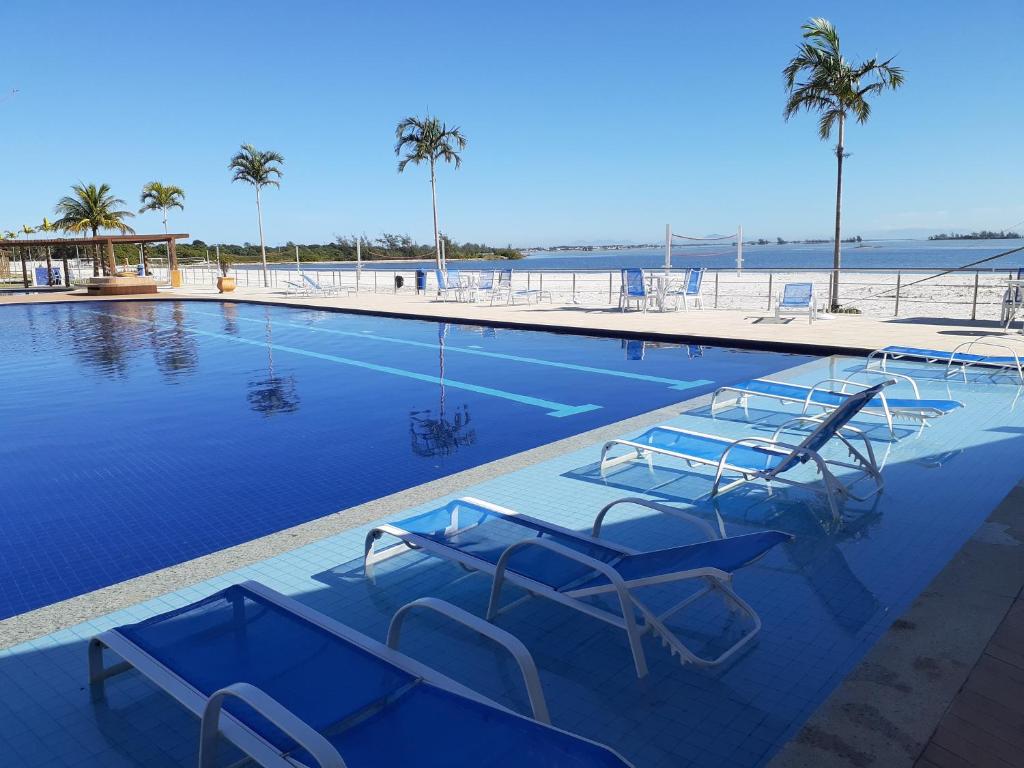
point(848, 333)
point(984, 726)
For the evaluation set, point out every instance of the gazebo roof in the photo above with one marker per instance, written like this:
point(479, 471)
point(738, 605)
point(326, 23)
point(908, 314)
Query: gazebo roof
point(98, 240)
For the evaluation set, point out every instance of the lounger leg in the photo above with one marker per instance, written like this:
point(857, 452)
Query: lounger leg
point(97, 672)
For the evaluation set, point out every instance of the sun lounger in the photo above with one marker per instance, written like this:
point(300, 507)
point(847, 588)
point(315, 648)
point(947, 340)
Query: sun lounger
point(766, 459)
point(829, 394)
point(317, 289)
point(569, 567)
point(797, 298)
point(964, 356)
point(290, 687)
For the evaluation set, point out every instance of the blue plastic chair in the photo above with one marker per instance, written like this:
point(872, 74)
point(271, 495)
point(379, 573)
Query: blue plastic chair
point(797, 298)
point(634, 289)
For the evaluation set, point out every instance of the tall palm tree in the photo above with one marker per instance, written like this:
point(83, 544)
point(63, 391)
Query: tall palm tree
point(91, 208)
point(427, 139)
point(47, 227)
point(836, 89)
point(261, 169)
point(161, 197)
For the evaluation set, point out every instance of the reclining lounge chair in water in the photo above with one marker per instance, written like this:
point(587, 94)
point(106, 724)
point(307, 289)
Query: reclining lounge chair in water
point(766, 459)
point(829, 394)
point(292, 688)
point(569, 567)
point(963, 356)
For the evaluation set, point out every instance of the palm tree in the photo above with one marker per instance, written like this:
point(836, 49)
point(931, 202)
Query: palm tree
point(260, 169)
point(428, 139)
point(836, 89)
point(161, 197)
point(47, 227)
point(91, 208)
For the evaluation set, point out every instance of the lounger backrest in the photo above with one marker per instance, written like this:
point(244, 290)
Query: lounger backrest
point(694, 280)
point(454, 281)
point(836, 420)
point(797, 294)
point(633, 280)
point(310, 281)
point(442, 282)
point(486, 282)
point(1017, 288)
point(505, 278)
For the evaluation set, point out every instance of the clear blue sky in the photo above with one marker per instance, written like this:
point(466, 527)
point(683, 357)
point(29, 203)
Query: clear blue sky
point(587, 121)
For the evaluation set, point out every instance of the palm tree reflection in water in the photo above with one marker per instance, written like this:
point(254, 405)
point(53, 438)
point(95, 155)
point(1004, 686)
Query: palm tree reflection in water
point(443, 435)
point(273, 394)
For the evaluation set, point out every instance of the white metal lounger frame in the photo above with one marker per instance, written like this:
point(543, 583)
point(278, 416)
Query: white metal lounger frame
point(715, 580)
point(216, 721)
point(834, 489)
point(919, 415)
point(881, 356)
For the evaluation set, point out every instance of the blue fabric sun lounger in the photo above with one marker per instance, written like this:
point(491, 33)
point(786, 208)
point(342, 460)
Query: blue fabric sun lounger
point(962, 356)
point(291, 688)
point(767, 459)
point(569, 567)
point(829, 394)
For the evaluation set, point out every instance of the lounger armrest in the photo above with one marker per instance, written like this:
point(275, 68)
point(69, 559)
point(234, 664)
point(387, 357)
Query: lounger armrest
point(507, 640)
point(301, 732)
point(889, 375)
point(704, 525)
point(967, 346)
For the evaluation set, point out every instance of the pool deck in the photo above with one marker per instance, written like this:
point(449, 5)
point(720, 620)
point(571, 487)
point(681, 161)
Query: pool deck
point(941, 688)
point(850, 334)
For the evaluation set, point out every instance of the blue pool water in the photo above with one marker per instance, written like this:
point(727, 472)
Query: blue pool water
point(143, 434)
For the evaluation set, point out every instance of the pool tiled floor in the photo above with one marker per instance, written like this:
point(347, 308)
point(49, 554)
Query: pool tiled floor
point(824, 600)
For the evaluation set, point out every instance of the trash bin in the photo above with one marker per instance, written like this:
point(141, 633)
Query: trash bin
point(399, 281)
point(421, 281)
point(141, 270)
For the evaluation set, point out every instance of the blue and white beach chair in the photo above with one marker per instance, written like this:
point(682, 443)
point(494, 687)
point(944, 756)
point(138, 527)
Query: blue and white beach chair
point(829, 394)
point(797, 299)
point(692, 293)
point(292, 688)
point(963, 356)
point(570, 567)
point(767, 459)
point(449, 285)
point(633, 290)
point(317, 289)
point(1013, 300)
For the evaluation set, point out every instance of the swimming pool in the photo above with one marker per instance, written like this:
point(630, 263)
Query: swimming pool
point(143, 434)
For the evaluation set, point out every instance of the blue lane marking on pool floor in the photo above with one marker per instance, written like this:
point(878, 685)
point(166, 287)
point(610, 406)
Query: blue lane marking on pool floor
point(558, 410)
point(679, 384)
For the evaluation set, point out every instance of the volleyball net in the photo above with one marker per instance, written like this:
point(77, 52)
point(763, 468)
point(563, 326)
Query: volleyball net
point(718, 246)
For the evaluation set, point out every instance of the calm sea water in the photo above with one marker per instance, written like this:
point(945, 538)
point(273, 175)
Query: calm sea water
point(876, 254)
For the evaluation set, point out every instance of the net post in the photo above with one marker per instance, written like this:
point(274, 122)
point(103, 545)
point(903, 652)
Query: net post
point(739, 249)
point(668, 247)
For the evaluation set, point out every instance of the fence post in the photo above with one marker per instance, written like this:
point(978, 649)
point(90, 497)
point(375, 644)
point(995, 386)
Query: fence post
point(375, 281)
point(573, 286)
point(770, 277)
point(716, 290)
point(974, 301)
point(609, 289)
point(899, 282)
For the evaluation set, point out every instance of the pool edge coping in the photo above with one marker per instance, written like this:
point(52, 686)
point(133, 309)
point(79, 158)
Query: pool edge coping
point(791, 347)
point(886, 709)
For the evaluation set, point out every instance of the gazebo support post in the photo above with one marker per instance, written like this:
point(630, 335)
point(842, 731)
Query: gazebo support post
point(172, 264)
point(24, 268)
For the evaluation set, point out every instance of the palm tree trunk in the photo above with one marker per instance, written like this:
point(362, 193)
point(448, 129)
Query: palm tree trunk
point(836, 254)
point(167, 245)
point(49, 267)
point(263, 248)
point(433, 198)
